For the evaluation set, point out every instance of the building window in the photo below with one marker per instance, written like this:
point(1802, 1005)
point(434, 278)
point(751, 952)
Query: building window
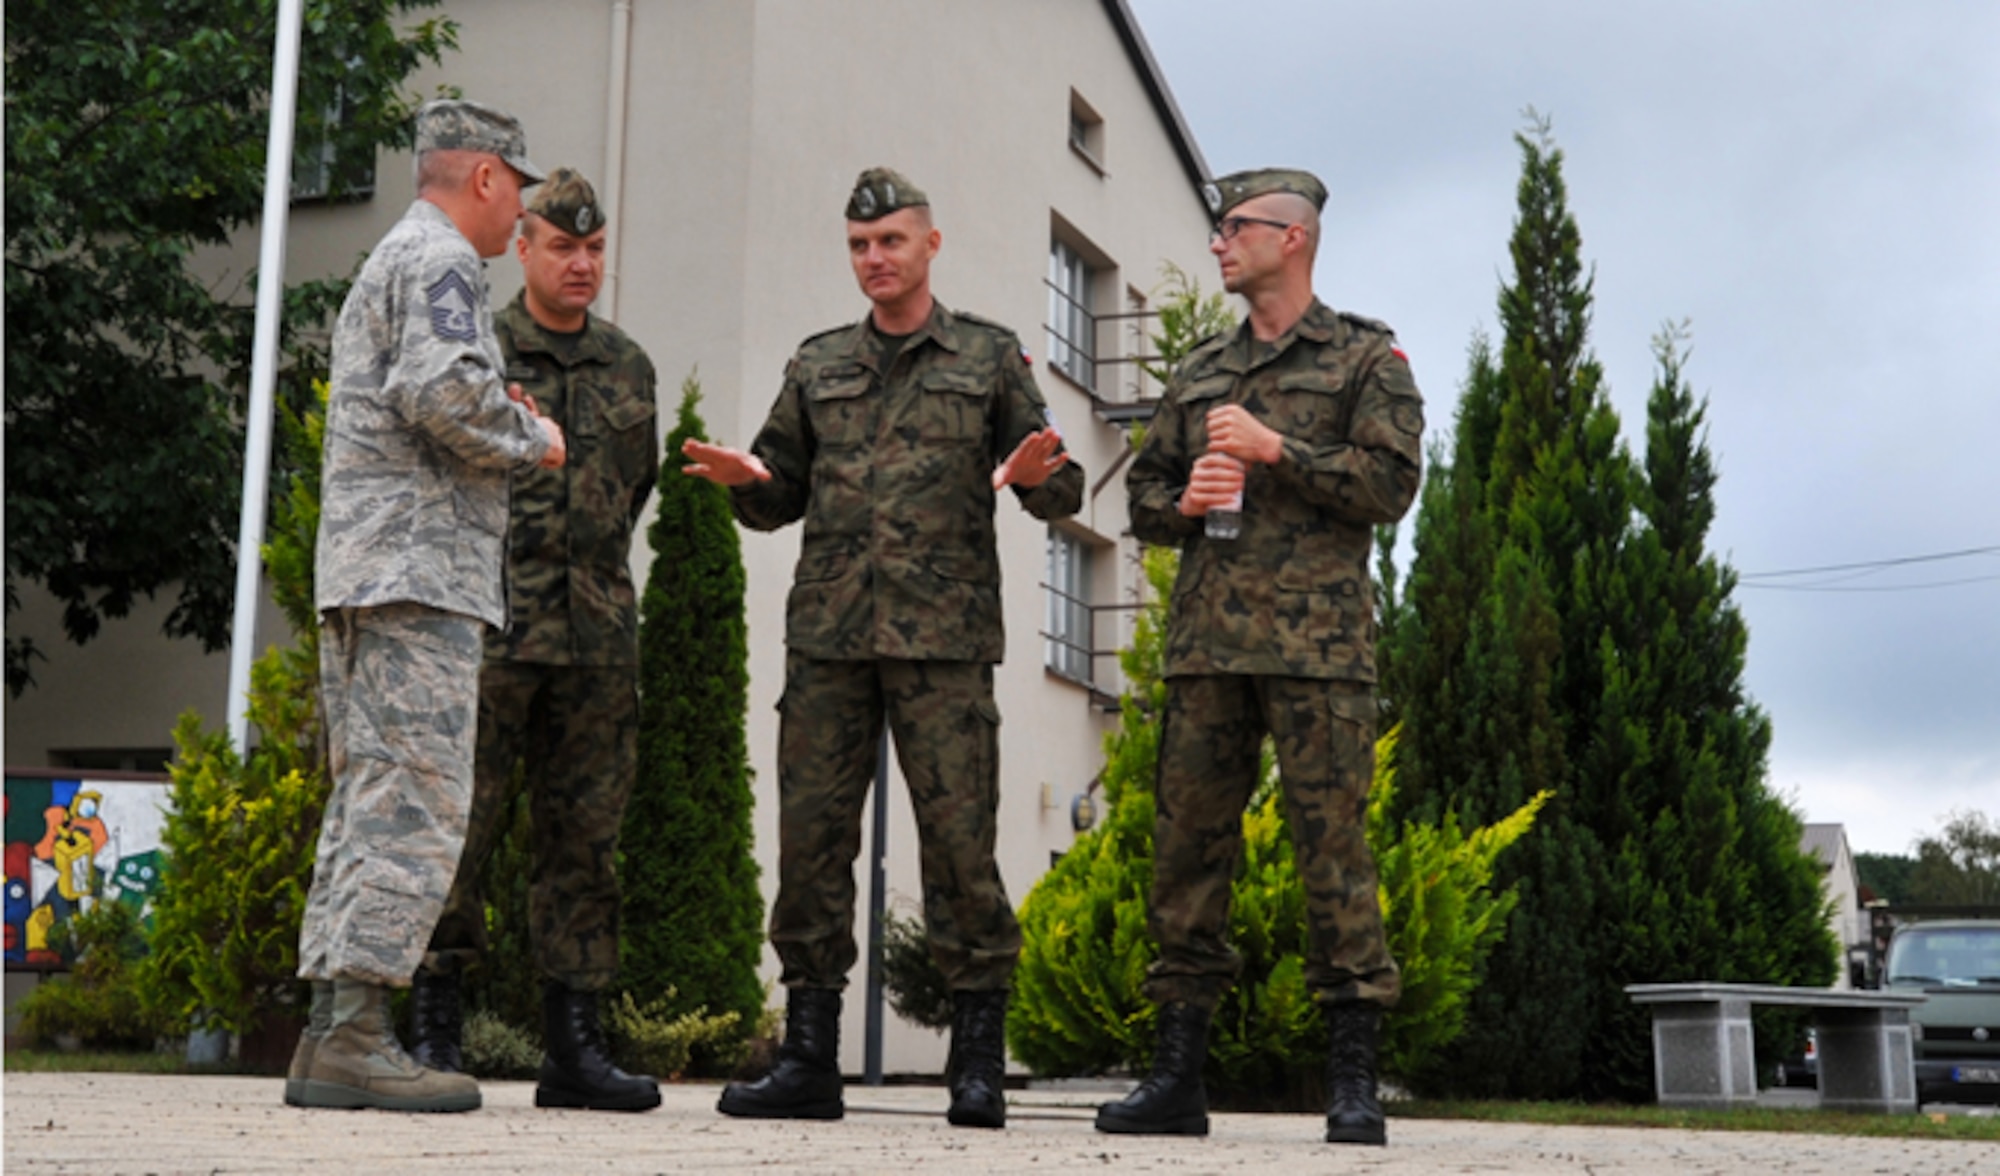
point(1067, 639)
point(1072, 328)
point(1086, 132)
point(112, 759)
point(321, 171)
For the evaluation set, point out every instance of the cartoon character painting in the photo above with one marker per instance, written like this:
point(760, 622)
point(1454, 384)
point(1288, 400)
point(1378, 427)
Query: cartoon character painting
point(72, 843)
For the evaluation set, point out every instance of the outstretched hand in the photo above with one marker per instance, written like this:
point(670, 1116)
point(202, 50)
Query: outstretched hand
point(1033, 460)
point(722, 465)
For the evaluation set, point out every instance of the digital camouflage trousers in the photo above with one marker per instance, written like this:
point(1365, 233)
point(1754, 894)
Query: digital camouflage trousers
point(947, 734)
point(399, 686)
point(1324, 735)
point(574, 733)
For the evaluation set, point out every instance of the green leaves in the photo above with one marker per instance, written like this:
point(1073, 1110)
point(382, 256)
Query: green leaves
point(240, 834)
point(1079, 1006)
point(135, 135)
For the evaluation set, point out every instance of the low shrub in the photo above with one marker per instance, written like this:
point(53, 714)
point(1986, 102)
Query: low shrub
point(911, 978)
point(98, 1005)
point(652, 1039)
point(1079, 1005)
point(495, 1049)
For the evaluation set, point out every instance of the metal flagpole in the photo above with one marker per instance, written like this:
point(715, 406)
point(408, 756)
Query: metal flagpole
point(264, 366)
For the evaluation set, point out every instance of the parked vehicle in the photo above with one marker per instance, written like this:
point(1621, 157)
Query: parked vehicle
point(1802, 1068)
point(1956, 964)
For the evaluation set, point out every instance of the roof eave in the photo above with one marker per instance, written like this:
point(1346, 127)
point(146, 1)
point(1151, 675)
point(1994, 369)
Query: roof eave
point(1163, 96)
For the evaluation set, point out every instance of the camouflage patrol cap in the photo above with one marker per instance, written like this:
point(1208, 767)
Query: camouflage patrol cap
point(1233, 189)
point(458, 124)
point(567, 201)
point(880, 191)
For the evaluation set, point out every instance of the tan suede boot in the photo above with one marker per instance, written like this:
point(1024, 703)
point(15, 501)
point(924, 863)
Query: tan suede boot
point(359, 1063)
point(318, 1021)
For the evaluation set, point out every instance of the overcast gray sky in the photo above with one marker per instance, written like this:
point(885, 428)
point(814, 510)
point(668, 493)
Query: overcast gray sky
point(1816, 186)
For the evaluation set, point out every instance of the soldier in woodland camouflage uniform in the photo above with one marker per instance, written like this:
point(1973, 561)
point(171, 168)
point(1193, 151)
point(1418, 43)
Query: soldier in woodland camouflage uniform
point(1311, 416)
point(560, 686)
point(891, 437)
point(421, 436)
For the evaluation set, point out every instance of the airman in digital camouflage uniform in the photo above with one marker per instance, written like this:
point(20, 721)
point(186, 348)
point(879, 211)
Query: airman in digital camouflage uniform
point(421, 437)
point(559, 690)
point(1312, 416)
point(891, 437)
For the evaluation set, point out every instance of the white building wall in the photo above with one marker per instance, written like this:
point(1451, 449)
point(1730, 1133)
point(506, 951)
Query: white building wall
point(746, 123)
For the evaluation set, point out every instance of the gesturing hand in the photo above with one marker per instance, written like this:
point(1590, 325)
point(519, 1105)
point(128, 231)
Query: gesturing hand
point(1032, 461)
point(722, 465)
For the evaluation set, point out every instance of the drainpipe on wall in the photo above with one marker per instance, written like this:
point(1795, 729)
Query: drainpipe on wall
point(613, 192)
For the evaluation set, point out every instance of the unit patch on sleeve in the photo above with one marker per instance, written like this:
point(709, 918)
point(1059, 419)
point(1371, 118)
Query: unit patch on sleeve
point(451, 302)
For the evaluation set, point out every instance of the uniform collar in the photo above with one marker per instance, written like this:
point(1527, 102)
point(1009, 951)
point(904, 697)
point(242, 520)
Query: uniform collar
point(864, 345)
point(424, 210)
point(530, 335)
point(1244, 352)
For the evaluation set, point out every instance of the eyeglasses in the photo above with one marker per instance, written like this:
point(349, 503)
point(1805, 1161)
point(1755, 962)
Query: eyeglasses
point(1227, 228)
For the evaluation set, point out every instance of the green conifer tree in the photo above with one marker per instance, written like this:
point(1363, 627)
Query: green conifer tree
point(1564, 629)
point(1707, 879)
point(693, 916)
point(1509, 535)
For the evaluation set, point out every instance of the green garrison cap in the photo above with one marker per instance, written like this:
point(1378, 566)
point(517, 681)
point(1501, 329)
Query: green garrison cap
point(567, 201)
point(458, 124)
point(1233, 189)
point(881, 191)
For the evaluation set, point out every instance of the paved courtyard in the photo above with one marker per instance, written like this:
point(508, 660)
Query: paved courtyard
point(105, 1124)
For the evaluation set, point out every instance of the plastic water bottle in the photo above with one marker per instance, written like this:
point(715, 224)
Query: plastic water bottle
point(1225, 522)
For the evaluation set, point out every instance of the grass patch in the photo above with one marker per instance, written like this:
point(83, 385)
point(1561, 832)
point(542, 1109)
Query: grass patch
point(1792, 1120)
point(54, 1061)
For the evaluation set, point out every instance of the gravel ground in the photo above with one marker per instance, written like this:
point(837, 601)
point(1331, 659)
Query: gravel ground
point(105, 1124)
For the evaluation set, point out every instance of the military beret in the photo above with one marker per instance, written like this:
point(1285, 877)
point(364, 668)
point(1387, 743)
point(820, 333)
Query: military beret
point(567, 201)
point(458, 124)
point(1233, 189)
point(880, 191)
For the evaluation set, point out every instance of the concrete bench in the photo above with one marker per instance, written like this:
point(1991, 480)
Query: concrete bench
point(1704, 1053)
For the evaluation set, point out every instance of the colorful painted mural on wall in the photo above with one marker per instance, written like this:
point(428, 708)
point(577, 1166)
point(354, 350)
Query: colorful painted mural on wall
point(72, 843)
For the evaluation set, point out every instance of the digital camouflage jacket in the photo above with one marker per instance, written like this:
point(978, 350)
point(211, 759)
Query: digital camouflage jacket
point(569, 545)
point(892, 472)
point(1290, 596)
point(420, 435)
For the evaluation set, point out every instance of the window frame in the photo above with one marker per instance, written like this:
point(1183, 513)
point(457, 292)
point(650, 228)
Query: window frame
point(1069, 645)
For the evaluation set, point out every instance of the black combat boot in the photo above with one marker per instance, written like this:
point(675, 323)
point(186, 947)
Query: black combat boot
point(805, 1084)
point(577, 1070)
point(1353, 1113)
point(437, 1021)
point(976, 1070)
point(1172, 1099)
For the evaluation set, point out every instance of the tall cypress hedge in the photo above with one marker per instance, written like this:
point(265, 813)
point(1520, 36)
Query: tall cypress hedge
point(693, 916)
